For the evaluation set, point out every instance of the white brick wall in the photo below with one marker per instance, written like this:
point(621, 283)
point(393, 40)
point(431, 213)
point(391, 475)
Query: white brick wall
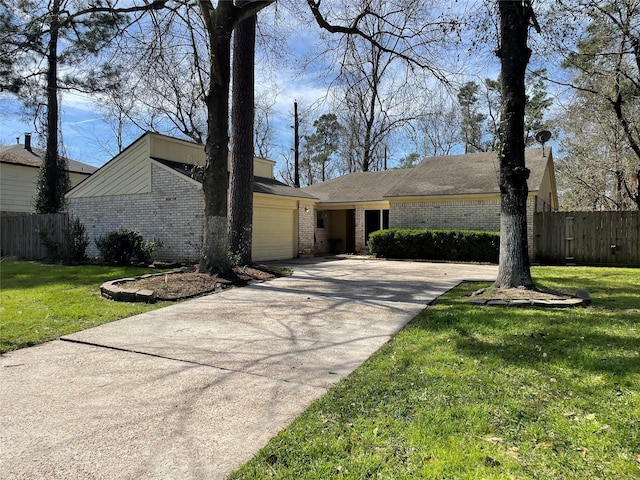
point(173, 212)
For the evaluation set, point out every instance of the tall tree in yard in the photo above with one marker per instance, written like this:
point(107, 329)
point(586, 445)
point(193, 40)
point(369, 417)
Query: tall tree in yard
point(516, 18)
point(219, 22)
point(38, 38)
point(472, 119)
point(605, 70)
point(323, 143)
point(242, 121)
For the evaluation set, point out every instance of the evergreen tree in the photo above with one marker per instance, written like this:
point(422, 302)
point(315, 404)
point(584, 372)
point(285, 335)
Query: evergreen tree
point(40, 38)
point(606, 74)
point(323, 143)
point(472, 119)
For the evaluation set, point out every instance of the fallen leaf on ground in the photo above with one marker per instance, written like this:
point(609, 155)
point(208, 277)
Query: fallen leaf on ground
point(545, 445)
point(582, 450)
point(494, 439)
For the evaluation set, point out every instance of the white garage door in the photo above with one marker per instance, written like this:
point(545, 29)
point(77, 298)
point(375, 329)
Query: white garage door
point(273, 234)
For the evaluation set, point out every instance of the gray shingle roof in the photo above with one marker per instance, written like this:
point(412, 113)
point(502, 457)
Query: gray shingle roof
point(476, 173)
point(272, 186)
point(357, 187)
point(19, 155)
point(269, 186)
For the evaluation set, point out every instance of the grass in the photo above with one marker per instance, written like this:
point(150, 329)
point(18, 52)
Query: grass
point(41, 302)
point(468, 392)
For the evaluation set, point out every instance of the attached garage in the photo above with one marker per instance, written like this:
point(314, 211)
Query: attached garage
point(155, 187)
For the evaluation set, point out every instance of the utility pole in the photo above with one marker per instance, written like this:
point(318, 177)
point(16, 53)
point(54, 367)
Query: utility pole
point(385, 158)
point(296, 148)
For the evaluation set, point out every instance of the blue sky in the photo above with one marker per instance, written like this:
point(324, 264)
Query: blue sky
point(88, 138)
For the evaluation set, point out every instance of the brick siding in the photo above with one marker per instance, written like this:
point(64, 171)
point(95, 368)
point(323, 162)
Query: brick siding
point(446, 215)
point(360, 240)
point(306, 229)
point(172, 212)
point(481, 215)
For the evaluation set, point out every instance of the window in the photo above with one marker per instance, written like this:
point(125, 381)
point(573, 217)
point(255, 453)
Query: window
point(375, 220)
point(319, 219)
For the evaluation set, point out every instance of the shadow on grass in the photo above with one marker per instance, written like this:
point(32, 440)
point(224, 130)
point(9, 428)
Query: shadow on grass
point(26, 275)
point(607, 286)
point(582, 339)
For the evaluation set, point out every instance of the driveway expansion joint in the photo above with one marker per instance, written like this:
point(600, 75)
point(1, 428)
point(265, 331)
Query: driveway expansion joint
point(164, 357)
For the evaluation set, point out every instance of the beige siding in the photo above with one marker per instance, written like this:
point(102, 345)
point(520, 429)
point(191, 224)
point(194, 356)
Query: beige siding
point(18, 184)
point(548, 191)
point(176, 150)
point(128, 173)
point(17, 187)
point(263, 167)
point(169, 148)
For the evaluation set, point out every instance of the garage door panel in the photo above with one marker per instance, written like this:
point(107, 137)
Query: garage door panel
point(273, 234)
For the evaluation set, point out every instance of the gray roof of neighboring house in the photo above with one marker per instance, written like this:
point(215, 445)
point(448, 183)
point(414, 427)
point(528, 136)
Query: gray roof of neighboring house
point(269, 186)
point(476, 173)
point(19, 155)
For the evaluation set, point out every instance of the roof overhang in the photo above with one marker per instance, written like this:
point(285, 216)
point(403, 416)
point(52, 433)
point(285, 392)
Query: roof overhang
point(352, 205)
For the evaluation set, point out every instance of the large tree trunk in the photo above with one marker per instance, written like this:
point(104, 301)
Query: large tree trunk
point(514, 268)
point(215, 183)
point(242, 120)
point(54, 177)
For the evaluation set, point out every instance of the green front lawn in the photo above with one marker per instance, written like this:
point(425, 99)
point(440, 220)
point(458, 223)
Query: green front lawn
point(40, 302)
point(467, 392)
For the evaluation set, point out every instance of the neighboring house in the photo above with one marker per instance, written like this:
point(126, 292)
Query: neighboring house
point(19, 170)
point(154, 186)
point(448, 192)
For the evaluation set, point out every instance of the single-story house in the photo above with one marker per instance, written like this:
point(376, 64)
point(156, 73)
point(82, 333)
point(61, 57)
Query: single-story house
point(154, 186)
point(19, 170)
point(447, 192)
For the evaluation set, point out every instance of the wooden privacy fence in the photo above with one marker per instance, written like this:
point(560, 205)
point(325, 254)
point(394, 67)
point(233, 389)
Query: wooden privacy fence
point(19, 234)
point(588, 238)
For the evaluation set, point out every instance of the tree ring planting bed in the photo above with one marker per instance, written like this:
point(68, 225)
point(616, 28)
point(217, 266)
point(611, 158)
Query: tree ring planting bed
point(517, 297)
point(179, 284)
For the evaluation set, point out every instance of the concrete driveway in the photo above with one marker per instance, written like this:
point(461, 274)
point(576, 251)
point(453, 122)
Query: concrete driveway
point(194, 390)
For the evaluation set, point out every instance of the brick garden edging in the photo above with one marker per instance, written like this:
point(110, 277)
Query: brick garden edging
point(113, 289)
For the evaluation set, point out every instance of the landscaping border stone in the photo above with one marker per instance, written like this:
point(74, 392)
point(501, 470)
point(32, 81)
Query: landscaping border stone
point(116, 289)
point(582, 299)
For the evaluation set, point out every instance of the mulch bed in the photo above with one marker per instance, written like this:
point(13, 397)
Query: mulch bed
point(187, 284)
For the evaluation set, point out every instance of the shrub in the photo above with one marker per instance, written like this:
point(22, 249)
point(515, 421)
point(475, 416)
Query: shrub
point(122, 246)
point(74, 245)
point(453, 245)
point(76, 241)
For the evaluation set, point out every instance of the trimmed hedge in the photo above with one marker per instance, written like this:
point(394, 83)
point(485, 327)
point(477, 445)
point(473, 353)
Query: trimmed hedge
point(453, 245)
